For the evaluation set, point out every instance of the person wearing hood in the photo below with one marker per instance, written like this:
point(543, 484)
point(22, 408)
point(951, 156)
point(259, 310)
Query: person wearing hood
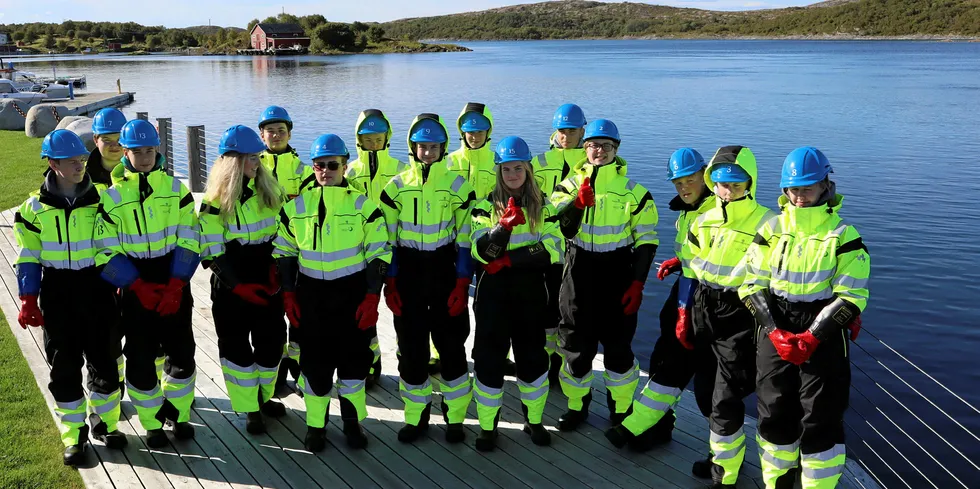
point(369, 173)
point(610, 222)
point(551, 168)
point(708, 307)
point(238, 224)
point(807, 285)
point(332, 252)
point(55, 229)
point(148, 240)
point(427, 211)
point(108, 153)
point(474, 158)
point(283, 162)
point(672, 363)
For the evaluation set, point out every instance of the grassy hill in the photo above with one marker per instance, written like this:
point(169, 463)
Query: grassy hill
point(576, 19)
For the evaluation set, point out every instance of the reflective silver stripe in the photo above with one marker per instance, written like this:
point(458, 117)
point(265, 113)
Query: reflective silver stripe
point(520, 239)
point(212, 238)
point(490, 391)
point(779, 463)
point(452, 384)
point(417, 245)
point(113, 194)
point(654, 404)
point(300, 205)
point(107, 242)
point(285, 247)
point(96, 397)
point(176, 394)
point(265, 380)
point(424, 228)
point(603, 230)
point(712, 268)
point(397, 180)
point(69, 264)
point(238, 368)
point(826, 293)
point(334, 274)
point(645, 228)
point(169, 379)
point(542, 160)
point(581, 383)
point(71, 406)
point(539, 385)
point(175, 185)
point(133, 390)
point(614, 379)
point(266, 370)
point(405, 391)
point(392, 228)
point(330, 256)
point(458, 184)
point(452, 395)
point(75, 246)
point(803, 278)
point(147, 404)
point(678, 247)
point(72, 418)
point(27, 253)
point(188, 232)
point(663, 389)
point(603, 248)
point(105, 408)
point(151, 237)
point(212, 250)
point(851, 282)
point(826, 455)
point(373, 248)
point(348, 387)
point(359, 202)
point(488, 396)
point(255, 226)
point(727, 454)
point(826, 473)
point(630, 185)
point(792, 447)
point(726, 439)
point(307, 388)
point(551, 331)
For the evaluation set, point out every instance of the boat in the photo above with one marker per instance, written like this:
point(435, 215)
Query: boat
point(9, 91)
point(23, 81)
point(78, 81)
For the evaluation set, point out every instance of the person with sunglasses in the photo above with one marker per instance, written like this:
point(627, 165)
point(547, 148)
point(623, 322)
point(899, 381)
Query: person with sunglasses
point(369, 173)
point(332, 252)
point(611, 223)
point(283, 162)
point(427, 211)
point(238, 224)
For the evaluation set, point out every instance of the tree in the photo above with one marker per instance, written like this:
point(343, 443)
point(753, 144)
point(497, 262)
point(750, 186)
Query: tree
point(376, 33)
point(70, 33)
point(285, 18)
point(311, 22)
point(334, 35)
point(30, 35)
point(362, 42)
point(49, 41)
point(17, 36)
point(83, 35)
point(251, 24)
point(61, 44)
point(271, 20)
point(358, 27)
point(153, 41)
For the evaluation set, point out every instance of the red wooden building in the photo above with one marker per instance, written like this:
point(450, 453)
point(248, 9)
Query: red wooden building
point(278, 36)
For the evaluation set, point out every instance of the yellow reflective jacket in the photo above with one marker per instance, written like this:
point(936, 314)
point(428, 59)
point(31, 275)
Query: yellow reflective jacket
point(54, 233)
point(687, 215)
point(807, 255)
point(475, 165)
point(555, 165)
point(372, 170)
point(484, 218)
point(289, 171)
point(254, 223)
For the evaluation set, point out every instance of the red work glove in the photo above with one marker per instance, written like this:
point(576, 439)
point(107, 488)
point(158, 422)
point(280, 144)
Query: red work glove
point(668, 267)
point(632, 298)
point(497, 265)
point(855, 328)
point(804, 346)
point(148, 293)
point(586, 195)
point(683, 328)
point(30, 314)
point(170, 300)
point(784, 341)
point(292, 307)
point(392, 298)
point(367, 312)
point(513, 216)
point(250, 293)
point(459, 297)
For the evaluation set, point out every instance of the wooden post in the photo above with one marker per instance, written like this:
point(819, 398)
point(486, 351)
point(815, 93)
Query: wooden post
point(196, 158)
point(118, 86)
point(143, 115)
point(166, 142)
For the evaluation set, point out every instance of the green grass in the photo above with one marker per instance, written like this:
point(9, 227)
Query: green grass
point(30, 446)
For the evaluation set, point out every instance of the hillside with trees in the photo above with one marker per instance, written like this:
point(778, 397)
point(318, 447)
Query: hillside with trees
point(577, 19)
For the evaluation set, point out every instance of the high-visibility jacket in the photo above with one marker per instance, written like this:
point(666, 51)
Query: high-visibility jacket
point(147, 215)
point(333, 231)
point(555, 165)
point(253, 223)
point(687, 215)
point(808, 254)
point(289, 171)
point(372, 170)
point(484, 218)
point(53, 233)
point(718, 239)
point(475, 165)
point(624, 214)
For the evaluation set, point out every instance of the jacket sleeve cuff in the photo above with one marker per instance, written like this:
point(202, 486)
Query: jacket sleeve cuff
point(184, 263)
point(464, 263)
point(120, 272)
point(28, 278)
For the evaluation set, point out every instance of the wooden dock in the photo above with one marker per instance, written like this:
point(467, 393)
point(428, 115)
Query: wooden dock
point(90, 103)
point(224, 456)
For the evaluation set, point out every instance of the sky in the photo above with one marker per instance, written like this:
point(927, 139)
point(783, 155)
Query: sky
point(237, 13)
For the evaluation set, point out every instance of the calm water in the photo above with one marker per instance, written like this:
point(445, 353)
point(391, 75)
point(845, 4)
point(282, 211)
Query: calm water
point(900, 121)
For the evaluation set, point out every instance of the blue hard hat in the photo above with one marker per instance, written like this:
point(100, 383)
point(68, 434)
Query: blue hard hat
point(108, 121)
point(804, 166)
point(729, 173)
point(428, 131)
point(328, 145)
point(568, 116)
point(684, 162)
point(240, 139)
point(373, 125)
point(275, 113)
point(138, 133)
point(511, 148)
point(601, 128)
point(473, 122)
point(61, 144)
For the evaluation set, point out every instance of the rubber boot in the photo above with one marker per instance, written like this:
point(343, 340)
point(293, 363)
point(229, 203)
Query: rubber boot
point(619, 436)
point(409, 433)
point(539, 434)
point(316, 439)
point(75, 454)
point(454, 431)
point(156, 438)
point(616, 418)
point(168, 414)
point(572, 419)
point(273, 409)
point(486, 441)
point(254, 423)
point(702, 468)
point(355, 434)
point(115, 440)
point(658, 434)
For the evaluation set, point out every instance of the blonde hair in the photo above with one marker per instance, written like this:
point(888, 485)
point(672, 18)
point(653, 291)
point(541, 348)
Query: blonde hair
point(532, 199)
point(225, 185)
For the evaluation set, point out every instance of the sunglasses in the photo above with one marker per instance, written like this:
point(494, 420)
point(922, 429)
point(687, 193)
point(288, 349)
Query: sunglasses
point(330, 165)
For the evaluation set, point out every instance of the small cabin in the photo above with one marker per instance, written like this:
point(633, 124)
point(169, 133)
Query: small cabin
point(278, 36)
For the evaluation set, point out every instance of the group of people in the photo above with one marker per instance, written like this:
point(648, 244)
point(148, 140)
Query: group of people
point(560, 244)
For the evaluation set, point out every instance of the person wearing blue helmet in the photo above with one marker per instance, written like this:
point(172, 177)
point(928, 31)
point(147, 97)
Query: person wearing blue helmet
point(671, 364)
point(369, 173)
point(515, 238)
point(238, 223)
point(148, 240)
point(285, 165)
point(55, 229)
point(332, 253)
point(610, 221)
point(108, 153)
point(427, 211)
point(807, 285)
point(709, 311)
point(474, 158)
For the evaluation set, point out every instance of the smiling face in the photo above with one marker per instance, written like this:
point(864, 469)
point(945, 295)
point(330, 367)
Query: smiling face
point(475, 139)
point(601, 151)
point(276, 136)
point(513, 174)
point(143, 159)
point(329, 170)
point(691, 187)
point(109, 147)
point(428, 153)
point(69, 170)
point(805, 196)
point(729, 191)
point(251, 165)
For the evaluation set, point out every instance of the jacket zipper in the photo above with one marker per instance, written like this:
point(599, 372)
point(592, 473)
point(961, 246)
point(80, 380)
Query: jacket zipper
point(57, 225)
point(415, 209)
point(782, 251)
point(136, 217)
point(238, 221)
point(68, 233)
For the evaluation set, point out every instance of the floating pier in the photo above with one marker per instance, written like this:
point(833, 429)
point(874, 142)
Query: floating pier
point(38, 119)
